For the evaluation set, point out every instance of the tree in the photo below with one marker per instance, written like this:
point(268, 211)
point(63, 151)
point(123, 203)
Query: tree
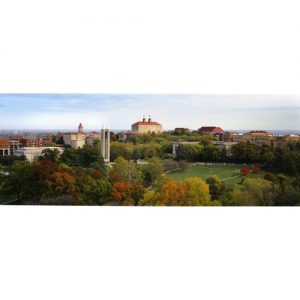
point(254, 192)
point(245, 171)
point(245, 153)
point(21, 181)
point(49, 154)
point(60, 184)
point(216, 187)
point(90, 156)
point(197, 193)
point(126, 193)
point(211, 153)
point(152, 171)
point(256, 169)
point(190, 152)
point(86, 157)
point(126, 171)
point(191, 192)
point(170, 164)
point(270, 177)
point(70, 157)
point(118, 149)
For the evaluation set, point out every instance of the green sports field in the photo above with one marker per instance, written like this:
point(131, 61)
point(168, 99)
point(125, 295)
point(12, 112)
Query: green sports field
point(230, 174)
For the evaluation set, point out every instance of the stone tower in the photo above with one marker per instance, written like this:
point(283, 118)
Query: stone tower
point(105, 144)
point(80, 128)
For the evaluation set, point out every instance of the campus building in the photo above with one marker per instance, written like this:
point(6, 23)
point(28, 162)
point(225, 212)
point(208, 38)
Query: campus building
point(80, 138)
point(210, 130)
point(262, 138)
point(8, 146)
point(4, 147)
point(181, 130)
point(75, 139)
point(32, 153)
point(146, 126)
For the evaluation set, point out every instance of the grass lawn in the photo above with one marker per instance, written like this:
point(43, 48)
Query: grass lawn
point(4, 199)
point(223, 172)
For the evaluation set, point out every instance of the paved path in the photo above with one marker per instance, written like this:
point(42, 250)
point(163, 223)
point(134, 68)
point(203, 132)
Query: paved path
point(5, 203)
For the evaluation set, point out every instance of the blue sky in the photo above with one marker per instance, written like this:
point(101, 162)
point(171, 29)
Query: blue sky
point(119, 111)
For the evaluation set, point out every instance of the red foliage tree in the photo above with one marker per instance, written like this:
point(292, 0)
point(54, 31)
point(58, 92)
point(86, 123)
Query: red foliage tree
point(121, 193)
point(46, 168)
point(244, 171)
point(256, 169)
point(97, 174)
point(126, 193)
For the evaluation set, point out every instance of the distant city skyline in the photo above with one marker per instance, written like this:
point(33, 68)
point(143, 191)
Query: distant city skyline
point(119, 111)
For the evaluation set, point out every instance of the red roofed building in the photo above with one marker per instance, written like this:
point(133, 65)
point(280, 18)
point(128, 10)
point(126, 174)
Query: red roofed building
point(211, 130)
point(4, 147)
point(146, 126)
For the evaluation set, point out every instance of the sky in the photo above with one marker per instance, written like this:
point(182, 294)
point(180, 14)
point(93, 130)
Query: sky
point(119, 111)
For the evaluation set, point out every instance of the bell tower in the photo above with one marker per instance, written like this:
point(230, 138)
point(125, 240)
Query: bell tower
point(80, 128)
point(105, 144)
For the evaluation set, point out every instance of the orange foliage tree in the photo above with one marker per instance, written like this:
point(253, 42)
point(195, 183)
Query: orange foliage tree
point(190, 192)
point(61, 183)
point(126, 193)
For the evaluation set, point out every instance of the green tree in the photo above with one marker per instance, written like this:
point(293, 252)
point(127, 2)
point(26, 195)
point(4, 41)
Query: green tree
point(126, 171)
point(20, 181)
point(254, 192)
point(118, 149)
point(152, 171)
point(49, 154)
point(245, 153)
point(216, 187)
point(190, 152)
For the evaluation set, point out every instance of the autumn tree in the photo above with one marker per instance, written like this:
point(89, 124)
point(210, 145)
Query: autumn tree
point(126, 193)
point(60, 184)
point(256, 169)
point(190, 192)
point(245, 171)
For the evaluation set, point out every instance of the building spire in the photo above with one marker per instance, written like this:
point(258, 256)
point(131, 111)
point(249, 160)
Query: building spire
point(80, 128)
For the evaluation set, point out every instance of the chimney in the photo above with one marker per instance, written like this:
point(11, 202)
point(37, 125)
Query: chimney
point(149, 119)
point(144, 119)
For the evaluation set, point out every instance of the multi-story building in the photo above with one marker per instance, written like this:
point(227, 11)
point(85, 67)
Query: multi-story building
point(14, 145)
point(261, 138)
point(75, 139)
point(31, 153)
point(4, 147)
point(211, 130)
point(146, 126)
point(92, 137)
point(181, 131)
point(80, 138)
